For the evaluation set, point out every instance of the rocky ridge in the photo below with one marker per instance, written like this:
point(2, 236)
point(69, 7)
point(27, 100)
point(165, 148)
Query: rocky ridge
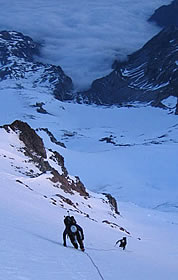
point(34, 149)
point(149, 75)
point(18, 65)
point(43, 171)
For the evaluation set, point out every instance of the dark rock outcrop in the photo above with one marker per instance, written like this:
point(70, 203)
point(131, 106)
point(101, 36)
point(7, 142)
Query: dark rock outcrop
point(176, 112)
point(109, 90)
point(114, 225)
point(112, 202)
point(108, 140)
point(34, 149)
point(33, 143)
point(166, 15)
point(51, 136)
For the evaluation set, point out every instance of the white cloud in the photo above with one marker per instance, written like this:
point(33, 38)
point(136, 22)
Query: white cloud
point(82, 36)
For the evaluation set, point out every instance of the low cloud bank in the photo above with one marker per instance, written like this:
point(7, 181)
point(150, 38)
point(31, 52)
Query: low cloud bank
point(84, 37)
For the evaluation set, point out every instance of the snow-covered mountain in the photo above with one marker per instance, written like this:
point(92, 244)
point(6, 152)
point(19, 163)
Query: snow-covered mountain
point(18, 65)
point(113, 167)
point(149, 75)
point(83, 37)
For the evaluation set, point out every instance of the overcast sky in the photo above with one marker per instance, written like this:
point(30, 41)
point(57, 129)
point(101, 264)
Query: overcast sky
point(82, 36)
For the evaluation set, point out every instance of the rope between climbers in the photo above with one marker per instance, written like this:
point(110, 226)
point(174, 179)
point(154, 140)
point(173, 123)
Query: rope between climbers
point(95, 265)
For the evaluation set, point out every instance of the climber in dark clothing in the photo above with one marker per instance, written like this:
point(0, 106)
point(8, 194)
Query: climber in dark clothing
point(74, 232)
point(123, 243)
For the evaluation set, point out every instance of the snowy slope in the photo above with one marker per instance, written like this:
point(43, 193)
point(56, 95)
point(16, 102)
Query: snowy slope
point(140, 168)
point(141, 161)
point(47, 176)
point(31, 241)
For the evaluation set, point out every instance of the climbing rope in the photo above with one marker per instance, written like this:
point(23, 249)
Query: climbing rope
point(95, 266)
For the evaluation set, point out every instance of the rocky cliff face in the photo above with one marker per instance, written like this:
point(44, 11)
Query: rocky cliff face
point(149, 75)
point(166, 15)
point(42, 171)
point(20, 70)
point(34, 149)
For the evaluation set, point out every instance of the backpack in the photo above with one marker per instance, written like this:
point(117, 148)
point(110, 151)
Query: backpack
point(69, 220)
